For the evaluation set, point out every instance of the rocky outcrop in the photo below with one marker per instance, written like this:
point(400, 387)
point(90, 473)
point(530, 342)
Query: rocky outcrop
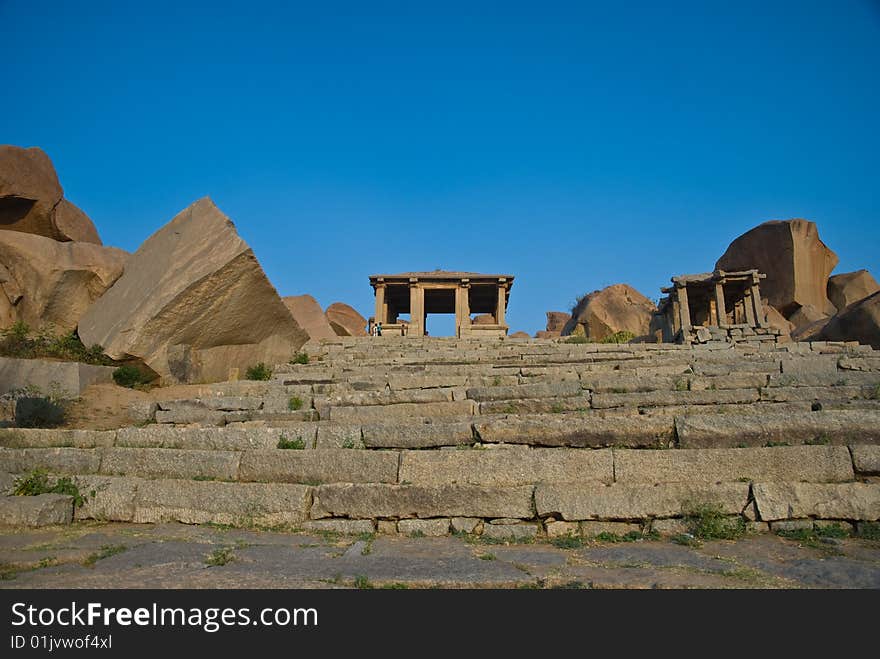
point(308, 315)
point(857, 322)
point(807, 315)
point(777, 320)
point(345, 321)
point(850, 287)
point(520, 335)
point(49, 284)
point(797, 263)
point(32, 200)
point(483, 319)
point(617, 308)
point(194, 304)
point(556, 321)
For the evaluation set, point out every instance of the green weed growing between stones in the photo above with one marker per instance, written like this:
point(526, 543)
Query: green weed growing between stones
point(258, 372)
point(37, 482)
point(706, 521)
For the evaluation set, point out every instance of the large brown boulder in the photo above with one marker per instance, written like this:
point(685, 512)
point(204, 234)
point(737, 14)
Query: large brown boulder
point(49, 284)
point(345, 321)
point(194, 304)
point(849, 287)
point(617, 308)
point(777, 320)
point(308, 315)
point(807, 315)
point(859, 321)
point(483, 319)
point(556, 321)
point(32, 201)
point(797, 263)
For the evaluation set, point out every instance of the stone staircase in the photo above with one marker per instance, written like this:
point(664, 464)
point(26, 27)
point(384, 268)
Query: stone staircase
point(507, 438)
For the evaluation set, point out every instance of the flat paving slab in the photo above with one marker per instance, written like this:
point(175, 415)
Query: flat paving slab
point(123, 555)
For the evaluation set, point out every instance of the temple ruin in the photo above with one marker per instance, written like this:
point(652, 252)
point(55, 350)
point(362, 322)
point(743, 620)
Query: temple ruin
point(421, 293)
point(715, 306)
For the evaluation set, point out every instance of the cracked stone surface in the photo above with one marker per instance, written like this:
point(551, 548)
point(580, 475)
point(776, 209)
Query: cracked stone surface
point(119, 555)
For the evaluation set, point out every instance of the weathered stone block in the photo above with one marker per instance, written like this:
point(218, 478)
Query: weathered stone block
point(381, 413)
point(510, 532)
point(661, 398)
point(427, 527)
point(343, 526)
point(216, 439)
point(170, 463)
point(853, 501)
point(417, 435)
point(369, 500)
point(866, 459)
point(562, 529)
point(729, 430)
point(49, 437)
point(510, 467)
point(592, 529)
point(318, 466)
point(40, 510)
point(54, 460)
point(782, 463)
point(579, 431)
point(631, 502)
point(386, 526)
point(142, 411)
point(538, 390)
point(465, 524)
point(238, 504)
point(107, 498)
point(339, 436)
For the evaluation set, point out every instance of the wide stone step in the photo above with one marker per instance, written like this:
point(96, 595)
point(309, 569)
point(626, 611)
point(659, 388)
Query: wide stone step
point(383, 398)
point(731, 430)
point(623, 501)
point(377, 414)
point(362, 501)
point(129, 499)
point(507, 466)
point(267, 466)
point(684, 397)
point(790, 463)
point(536, 405)
point(417, 435)
point(539, 390)
point(579, 431)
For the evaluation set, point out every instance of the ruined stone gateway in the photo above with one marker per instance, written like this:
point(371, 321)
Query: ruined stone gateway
point(421, 293)
point(716, 306)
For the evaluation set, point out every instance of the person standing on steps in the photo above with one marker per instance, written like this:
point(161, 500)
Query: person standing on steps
point(378, 329)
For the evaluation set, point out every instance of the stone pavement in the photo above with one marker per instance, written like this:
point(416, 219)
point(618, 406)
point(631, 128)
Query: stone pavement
point(123, 555)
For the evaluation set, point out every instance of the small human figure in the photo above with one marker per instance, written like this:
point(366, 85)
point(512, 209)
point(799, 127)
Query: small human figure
point(370, 324)
point(378, 329)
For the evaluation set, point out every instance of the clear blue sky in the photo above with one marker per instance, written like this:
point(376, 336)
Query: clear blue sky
point(573, 144)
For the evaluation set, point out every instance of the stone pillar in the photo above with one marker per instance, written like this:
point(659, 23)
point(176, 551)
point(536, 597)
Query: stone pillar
point(381, 307)
point(684, 308)
point(462, 308)
point(416, 309)
point(676, 316)
point(760, 316)
point(720, 308)
point(501, 304)
point(749, 309)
